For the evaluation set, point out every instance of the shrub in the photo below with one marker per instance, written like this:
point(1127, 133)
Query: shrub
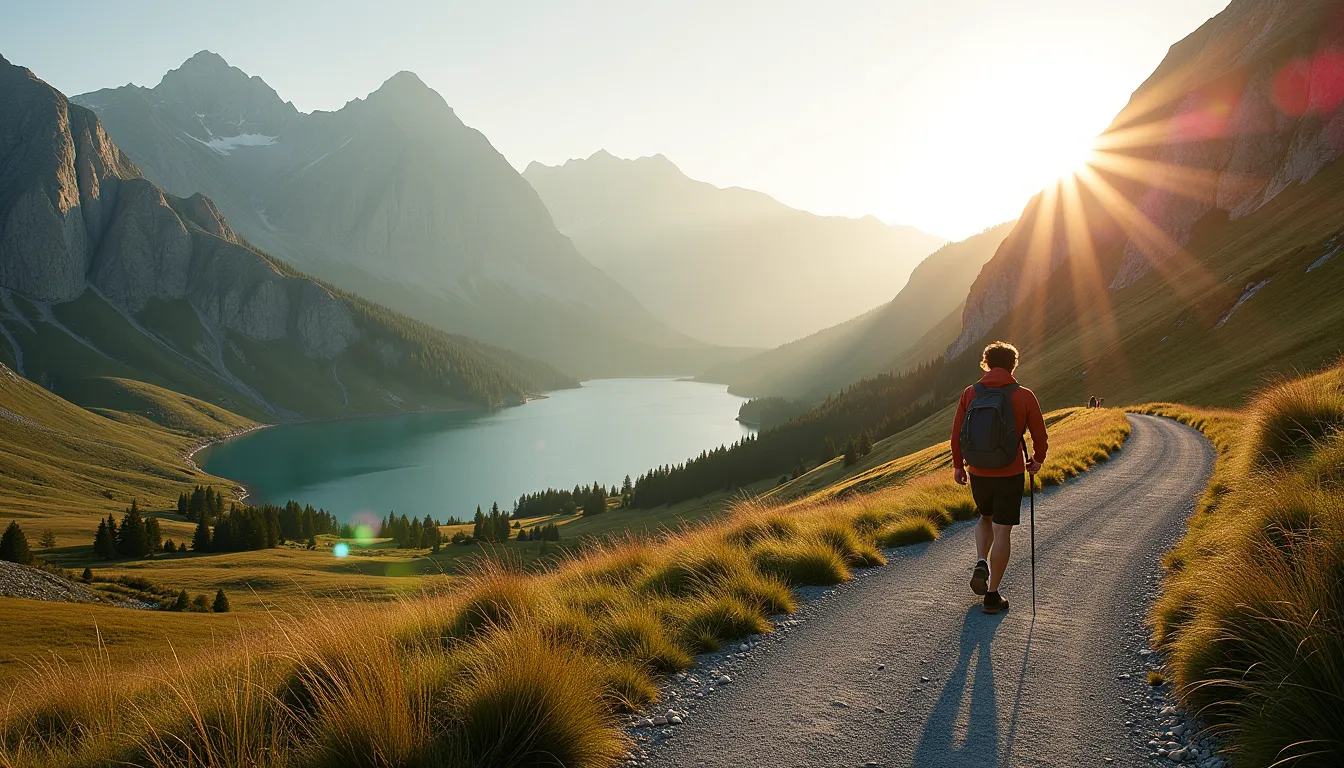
point(805, 562)
point(903, 533)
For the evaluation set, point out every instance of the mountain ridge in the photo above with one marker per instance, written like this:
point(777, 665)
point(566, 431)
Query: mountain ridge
point(394, 198)
point(730, 265)
point(103, 274)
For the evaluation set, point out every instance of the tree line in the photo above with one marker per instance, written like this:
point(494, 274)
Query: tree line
point(591, 500)
point(869, 410)
point(408, 533)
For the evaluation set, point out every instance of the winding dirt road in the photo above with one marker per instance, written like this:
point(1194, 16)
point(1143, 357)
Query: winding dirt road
point(900, 668)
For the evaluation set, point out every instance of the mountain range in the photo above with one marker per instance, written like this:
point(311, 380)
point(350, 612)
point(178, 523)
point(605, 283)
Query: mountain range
point(104, 275)
point(731, 266)
point(914, 327)
point(391, 197)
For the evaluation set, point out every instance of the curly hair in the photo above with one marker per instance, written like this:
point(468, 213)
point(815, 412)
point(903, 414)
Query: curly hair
point(1000, 354)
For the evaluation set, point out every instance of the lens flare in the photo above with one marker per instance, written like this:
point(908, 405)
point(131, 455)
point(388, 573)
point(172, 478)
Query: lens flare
point(341, 549)
point(364, 535)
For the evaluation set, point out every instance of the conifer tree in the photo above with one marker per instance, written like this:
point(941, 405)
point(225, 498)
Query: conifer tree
point(827, 450)
point(153, 538)
point(14, 545)
point(104, 544)
point(181, 603)
point(182, 503)
point(851, 453)
point(169, 545)
point(48, 539)
point(221, 604)
point(131, 540)
point(87, 575)
point(200, 540)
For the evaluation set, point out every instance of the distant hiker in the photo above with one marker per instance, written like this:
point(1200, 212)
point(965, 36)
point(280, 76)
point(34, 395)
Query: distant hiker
point(987, 440)
point(1092, 403)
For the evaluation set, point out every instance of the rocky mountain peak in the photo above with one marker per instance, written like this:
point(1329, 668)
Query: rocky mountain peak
point(225, 99)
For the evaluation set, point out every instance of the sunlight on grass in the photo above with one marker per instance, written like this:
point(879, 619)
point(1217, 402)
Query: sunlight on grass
point(512, 667)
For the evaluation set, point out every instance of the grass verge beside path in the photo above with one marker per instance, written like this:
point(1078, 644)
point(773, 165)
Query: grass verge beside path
point(512, 669)
point(1252, 610)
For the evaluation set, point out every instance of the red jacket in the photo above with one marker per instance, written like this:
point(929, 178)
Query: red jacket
point(1027, 413)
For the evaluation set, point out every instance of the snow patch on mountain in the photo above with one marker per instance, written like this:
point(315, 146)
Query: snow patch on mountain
point(225, 145)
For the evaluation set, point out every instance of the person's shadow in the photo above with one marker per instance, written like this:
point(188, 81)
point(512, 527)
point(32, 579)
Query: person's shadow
point(947, 741)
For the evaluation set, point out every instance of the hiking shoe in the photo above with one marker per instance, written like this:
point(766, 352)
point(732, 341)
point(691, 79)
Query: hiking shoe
point(980, 578)
point(994, 602)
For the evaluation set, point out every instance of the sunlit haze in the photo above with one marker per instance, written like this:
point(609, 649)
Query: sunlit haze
point(944, 115)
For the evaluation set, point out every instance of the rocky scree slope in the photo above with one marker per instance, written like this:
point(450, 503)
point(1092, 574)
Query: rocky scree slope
point(97, 259)
point(394, 198)
point(730, 266)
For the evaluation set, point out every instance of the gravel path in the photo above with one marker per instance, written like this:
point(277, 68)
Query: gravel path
point(899, 668)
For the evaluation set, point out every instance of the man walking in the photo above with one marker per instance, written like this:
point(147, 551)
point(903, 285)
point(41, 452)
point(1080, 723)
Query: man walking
point(993, 416)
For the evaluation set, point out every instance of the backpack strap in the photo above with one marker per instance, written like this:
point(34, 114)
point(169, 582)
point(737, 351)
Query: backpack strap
point(979, 388)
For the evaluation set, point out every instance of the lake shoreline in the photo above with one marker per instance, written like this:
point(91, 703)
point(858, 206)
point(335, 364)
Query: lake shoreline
point(242, 492)
point(352, 464)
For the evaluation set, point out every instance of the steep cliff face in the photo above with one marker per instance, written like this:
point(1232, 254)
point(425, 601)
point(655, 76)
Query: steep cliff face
point(77, 217)
point(1248, 106)
point(81, 216)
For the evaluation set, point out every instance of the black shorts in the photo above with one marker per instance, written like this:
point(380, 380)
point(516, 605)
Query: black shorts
point(999, 497)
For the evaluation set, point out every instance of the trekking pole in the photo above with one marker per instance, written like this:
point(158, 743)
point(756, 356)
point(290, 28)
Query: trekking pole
point(1031, 485)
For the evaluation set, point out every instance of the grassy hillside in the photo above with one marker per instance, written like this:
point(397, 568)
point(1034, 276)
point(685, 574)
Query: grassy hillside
point(62, 466)
point(878, 341)
point(1183, 333)
point(509, 669)
point(1251, 615)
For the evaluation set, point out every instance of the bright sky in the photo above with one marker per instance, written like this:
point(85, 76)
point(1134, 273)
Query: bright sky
point(945, 114)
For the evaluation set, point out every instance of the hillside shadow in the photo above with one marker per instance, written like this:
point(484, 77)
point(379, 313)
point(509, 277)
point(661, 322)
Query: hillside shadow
point(947, 740)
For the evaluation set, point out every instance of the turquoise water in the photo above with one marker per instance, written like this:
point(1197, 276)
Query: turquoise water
point(445, 464)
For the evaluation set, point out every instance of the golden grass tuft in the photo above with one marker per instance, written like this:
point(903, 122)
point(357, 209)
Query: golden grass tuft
point(1251, 613)
point(804, 563)
point(526, 701)
point(912, 530)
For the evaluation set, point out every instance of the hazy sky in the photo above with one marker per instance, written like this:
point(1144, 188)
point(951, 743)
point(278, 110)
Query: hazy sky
point(945, 114)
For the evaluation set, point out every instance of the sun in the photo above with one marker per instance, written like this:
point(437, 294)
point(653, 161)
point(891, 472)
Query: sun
point(1067, 158)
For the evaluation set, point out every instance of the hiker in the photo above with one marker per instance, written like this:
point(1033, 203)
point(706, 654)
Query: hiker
point(987, 441)
point(1092, 403)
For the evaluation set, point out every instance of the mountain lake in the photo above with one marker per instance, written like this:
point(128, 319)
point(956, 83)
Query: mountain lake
point(445, 463)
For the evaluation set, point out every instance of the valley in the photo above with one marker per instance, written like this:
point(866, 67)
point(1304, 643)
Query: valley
point(334, 432)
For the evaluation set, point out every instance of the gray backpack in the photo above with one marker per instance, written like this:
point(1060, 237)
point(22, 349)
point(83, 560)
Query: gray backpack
point(989, 432)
